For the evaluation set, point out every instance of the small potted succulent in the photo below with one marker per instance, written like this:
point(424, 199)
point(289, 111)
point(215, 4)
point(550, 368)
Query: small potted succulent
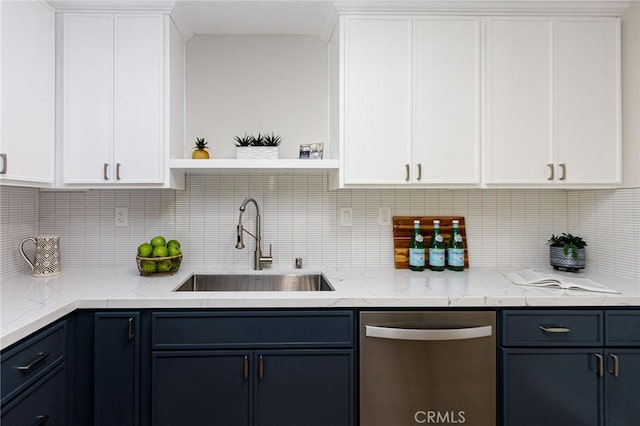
point(200, 150)
point(567, 251)
point(257, 147)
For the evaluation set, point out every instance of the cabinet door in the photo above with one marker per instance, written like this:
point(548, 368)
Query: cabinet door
point(518, 144)
point(200, 388)
point(376, 100)
point(87, 118)
point(41, 404)
point(588, 88)
point(447, 100)
point(138, 98)
point(304, 387)
point(117, 368)
point(553, 387)
point(28, 91)
point(621, 387)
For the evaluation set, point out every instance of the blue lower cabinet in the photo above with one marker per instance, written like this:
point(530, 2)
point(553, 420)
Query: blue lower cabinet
point(622, 387)
point(42, 403)
point(117, 369)
point(304, 387)
point(201, 388)
point(551, 387)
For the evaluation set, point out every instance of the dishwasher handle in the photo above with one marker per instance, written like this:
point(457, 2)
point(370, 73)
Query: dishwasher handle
point(427, 334)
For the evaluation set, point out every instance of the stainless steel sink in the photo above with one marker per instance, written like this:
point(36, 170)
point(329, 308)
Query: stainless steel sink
point(256, 282)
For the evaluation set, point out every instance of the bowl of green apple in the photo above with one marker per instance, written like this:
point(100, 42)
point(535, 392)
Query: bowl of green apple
point(159, 257)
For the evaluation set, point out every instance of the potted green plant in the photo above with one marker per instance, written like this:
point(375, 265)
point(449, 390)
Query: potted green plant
point(257, 147)
point(567, 251)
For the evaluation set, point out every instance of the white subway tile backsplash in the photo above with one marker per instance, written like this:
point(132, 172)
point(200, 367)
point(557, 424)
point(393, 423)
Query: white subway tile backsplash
point(300, 218)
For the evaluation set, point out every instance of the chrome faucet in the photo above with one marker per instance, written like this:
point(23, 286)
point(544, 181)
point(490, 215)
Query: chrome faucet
point(258, 259)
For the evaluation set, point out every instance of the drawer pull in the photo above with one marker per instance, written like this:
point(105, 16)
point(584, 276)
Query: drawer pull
point(616, 365)
point(41, 357)
point(117, 171)
point(245, 368)
point(550, 166)
point(555, 329)
point(105, 168)
point(130, 329)
point(42, 419)
point(419, 171)
point(261, 368)
point(406, 172)
point(600, 359)
point(3, 171)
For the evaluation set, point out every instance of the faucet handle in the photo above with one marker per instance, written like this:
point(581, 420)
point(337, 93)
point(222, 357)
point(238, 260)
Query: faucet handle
point(266, 259)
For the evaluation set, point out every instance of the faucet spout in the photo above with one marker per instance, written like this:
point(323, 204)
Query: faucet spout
point(258, 259)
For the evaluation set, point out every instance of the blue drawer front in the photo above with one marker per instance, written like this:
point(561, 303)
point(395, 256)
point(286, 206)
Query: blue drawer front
point(31, 359)
point(552, 328)
point(623, 328)
point(200, 330)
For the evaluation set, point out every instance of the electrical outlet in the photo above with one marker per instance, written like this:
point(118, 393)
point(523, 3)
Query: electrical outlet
point(346, 216)
point(384, 216)
point(122, 216)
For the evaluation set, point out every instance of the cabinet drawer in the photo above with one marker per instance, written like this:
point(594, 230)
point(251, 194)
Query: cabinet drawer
point(552, 328)
point(199, 330)
point(622, 328)
point(41, 404)
point(31, 359)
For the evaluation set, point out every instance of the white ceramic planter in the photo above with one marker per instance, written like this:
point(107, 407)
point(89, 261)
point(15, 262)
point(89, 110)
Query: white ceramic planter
point(256, 152)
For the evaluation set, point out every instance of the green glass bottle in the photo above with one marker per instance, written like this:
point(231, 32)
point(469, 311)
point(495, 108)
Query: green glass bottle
point(436, 249)
point(416, 249)
point(456, 249)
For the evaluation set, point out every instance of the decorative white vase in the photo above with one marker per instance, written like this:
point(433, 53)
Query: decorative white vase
point(256, 152)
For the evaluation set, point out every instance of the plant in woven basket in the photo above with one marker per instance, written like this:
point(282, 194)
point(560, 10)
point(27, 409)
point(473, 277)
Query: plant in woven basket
point(200, 150)
point(569, 243)
point(257, 140)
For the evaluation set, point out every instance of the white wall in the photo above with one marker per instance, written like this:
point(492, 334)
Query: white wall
point(238, 84)
point(631, 95)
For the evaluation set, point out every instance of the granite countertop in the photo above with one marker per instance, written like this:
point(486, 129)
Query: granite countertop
point(28, 303)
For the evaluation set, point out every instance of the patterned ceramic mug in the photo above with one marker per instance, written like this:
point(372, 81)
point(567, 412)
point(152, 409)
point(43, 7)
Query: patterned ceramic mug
point(47, 258)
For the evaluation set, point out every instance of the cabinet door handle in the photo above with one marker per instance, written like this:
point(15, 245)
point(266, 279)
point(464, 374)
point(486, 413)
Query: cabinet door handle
point(550, 166)
point(117, 171)
point(130, 329)
point(419, 171)
point(563, 170)
point(245, 367)
point(616, 365)
point(42, 419)
point(4, 164)
point(406, 172)
point(260, 368)
point(554, 329)
point(600, 359)
point(41, 357)
point(105, 169)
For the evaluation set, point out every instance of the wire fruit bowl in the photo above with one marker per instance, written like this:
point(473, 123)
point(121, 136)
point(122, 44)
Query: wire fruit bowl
point(158, 266)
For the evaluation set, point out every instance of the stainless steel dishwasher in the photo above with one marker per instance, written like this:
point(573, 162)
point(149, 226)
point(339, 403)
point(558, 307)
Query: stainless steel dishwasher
point(427, 367)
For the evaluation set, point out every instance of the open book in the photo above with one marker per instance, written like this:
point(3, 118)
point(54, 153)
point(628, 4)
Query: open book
point(544, 279)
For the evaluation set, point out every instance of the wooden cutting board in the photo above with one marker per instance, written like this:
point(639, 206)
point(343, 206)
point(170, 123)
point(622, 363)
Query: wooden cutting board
point(403, 231)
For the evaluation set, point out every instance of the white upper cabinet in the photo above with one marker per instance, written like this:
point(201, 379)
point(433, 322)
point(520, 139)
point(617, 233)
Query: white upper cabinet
point(446, 117)
point(376, 138)
point(408, 110)
point(27, 111)
point(552, 110)
point(589, 104)
point(115, 91)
